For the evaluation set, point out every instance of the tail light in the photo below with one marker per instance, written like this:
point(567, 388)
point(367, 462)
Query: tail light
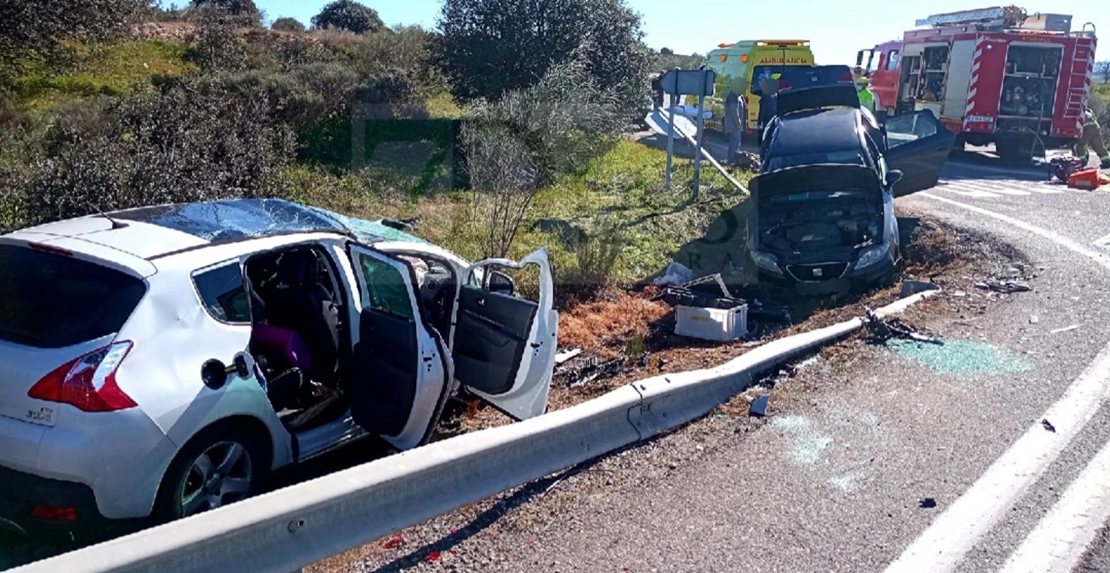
point(87, 382)
point(847, 77)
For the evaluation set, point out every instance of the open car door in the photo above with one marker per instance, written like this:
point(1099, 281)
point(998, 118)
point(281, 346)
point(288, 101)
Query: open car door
point(503, 345)
point(918, 145)
point(398, 381)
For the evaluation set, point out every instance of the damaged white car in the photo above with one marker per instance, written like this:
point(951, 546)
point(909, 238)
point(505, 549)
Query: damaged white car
point(159, 361)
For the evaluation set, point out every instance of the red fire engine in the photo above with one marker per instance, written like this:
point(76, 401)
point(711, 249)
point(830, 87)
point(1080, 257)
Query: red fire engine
point(995, 75)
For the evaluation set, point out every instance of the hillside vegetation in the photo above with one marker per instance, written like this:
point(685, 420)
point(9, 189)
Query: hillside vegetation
point(113, 104)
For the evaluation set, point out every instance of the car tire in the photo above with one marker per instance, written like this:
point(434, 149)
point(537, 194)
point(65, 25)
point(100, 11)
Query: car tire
point(222, 464)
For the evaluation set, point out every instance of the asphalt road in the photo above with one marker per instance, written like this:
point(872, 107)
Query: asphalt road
point(887, 458)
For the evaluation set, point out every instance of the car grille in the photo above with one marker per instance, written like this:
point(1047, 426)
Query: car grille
point(820, 272)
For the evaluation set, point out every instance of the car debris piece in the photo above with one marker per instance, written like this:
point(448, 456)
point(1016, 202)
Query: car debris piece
point(1065, 329)
point(561, 357)
point(1004, 287)
point(1048, 425)
point(676, 274)
point(759, 406)
point(910, 288)
point(592, 369)
point(927, 503)
point(883, 330)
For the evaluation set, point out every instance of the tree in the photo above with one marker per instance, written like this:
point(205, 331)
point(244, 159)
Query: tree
point(287, 25)
point(1102, 71)
point(37, 26)
point(489, 47)
point(666, 52)
point(348, 15)
point(242, 12)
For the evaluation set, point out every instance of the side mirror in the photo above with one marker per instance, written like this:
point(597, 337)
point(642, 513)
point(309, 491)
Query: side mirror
point(500, 282)
point(893, 177)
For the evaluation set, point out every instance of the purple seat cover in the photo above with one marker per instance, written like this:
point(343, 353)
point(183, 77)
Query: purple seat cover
point(283, 341)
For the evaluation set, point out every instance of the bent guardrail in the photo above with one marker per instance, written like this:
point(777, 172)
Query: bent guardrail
point(292, 528)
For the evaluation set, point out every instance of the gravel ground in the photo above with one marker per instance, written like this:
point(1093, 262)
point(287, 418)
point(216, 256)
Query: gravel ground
point(520, 529)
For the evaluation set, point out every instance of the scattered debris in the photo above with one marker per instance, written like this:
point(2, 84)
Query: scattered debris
point(434, 556)
point(394, 541)
point(959, 294)
point(562, 357)
point(1048, 425)
point(589, 370)
point(676, 274)
point(759, 406)
point(1034, 320)
point(883, 330)
point(1004, 287)
point(927, 503)
point(1066, 329)
point(910, 288)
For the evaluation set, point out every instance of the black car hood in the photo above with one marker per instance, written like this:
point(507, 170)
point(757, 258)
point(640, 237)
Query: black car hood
point(812, 178)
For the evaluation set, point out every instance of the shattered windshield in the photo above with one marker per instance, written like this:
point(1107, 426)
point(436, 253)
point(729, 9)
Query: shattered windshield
point(229, 220)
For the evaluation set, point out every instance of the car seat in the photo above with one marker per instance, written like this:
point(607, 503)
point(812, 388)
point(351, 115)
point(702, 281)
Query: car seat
point(305, 306)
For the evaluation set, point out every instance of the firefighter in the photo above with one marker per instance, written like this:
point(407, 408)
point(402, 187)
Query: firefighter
point(866, 97)
point(1092, 136)
point(735, 114)
point(657, 90)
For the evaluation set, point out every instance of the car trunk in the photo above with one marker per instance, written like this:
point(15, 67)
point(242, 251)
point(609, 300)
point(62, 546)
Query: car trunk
point(818, 213)
point(54, 308)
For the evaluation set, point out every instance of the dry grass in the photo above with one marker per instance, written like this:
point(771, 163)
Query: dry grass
point(607, 323)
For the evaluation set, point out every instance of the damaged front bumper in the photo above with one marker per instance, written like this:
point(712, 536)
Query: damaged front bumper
point(818, 277)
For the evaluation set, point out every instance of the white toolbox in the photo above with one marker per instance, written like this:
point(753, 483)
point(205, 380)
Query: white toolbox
point(712, 323)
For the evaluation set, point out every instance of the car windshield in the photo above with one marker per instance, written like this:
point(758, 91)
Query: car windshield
point(846, 157)
point(49, 300)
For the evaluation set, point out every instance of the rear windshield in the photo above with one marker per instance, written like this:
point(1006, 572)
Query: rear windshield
point(847, 157)
point(51, 301)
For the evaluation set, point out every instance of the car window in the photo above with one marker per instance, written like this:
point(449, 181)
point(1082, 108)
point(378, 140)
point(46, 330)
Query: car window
point(846, 157)
point(902, 129)
point(386, 288)
point(50, 300)
point(222, 291)
point(892, 60)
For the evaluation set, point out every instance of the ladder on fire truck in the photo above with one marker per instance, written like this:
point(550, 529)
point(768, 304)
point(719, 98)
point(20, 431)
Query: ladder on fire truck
point(1004, 17)
point(1080, 80)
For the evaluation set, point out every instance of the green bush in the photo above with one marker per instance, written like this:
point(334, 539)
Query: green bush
point(193, 140)
point(348, 15)
point(287, 25)
point(241, 12)
point(218, 46)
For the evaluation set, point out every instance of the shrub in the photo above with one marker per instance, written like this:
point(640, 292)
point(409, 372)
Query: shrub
point(218, 46)
point(489, 47)
point(287, 25)
point(348, 15)
point(193, 140)
point(241, 12)
point(528, 139)
point(35, 28)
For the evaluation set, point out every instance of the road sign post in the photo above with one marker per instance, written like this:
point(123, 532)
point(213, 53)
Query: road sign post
point(676, 83)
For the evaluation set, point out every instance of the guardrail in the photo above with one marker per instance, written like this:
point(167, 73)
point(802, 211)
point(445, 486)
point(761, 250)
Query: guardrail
point(292, 528)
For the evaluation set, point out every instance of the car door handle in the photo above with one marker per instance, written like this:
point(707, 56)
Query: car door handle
point(482, 302)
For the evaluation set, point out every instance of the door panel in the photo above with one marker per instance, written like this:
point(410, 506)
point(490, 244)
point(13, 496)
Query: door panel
point(492, 336)
point(503, 345)
point(386, 360)
point(398, 380)
point(918, 145)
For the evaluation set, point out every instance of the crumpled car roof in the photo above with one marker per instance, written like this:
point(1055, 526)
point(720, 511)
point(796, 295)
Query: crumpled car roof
point(234, 219)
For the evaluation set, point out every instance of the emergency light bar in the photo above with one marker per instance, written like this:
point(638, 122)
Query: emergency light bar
point(783, 43)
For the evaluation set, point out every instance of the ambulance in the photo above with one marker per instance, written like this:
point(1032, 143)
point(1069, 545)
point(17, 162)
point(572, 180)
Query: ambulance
point(751, 62)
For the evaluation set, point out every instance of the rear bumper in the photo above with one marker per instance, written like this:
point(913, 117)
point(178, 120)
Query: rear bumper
point(22, 492)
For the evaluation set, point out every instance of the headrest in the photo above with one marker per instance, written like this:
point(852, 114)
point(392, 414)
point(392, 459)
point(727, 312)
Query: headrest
point(297, 268)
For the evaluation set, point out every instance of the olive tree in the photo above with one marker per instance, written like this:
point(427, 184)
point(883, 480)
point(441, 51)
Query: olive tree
point(348, 15)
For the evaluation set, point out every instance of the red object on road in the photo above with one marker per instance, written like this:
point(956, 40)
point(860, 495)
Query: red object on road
point(1087, 179)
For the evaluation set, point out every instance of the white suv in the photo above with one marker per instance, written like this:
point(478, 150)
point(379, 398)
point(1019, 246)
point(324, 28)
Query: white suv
point(158, 361)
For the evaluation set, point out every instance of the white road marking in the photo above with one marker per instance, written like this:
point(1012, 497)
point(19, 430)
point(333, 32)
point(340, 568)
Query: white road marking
point(948, 186)
point(945, 543)
point(1060, 539)
point(1103, 242)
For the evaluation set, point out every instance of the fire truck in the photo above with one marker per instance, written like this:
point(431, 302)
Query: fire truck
point(993, 75)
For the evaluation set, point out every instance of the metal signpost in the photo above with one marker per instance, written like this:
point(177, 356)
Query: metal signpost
point(677, 83)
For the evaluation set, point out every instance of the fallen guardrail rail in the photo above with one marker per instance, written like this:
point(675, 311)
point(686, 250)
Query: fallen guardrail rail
point(288, 529)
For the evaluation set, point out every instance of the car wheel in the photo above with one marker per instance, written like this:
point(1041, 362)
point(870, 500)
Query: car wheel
point(221, 465)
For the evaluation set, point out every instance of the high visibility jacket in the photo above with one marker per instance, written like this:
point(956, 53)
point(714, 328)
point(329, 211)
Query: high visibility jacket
point(866, 99)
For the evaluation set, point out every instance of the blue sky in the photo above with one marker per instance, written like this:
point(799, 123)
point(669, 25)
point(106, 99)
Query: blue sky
point(836, 28)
